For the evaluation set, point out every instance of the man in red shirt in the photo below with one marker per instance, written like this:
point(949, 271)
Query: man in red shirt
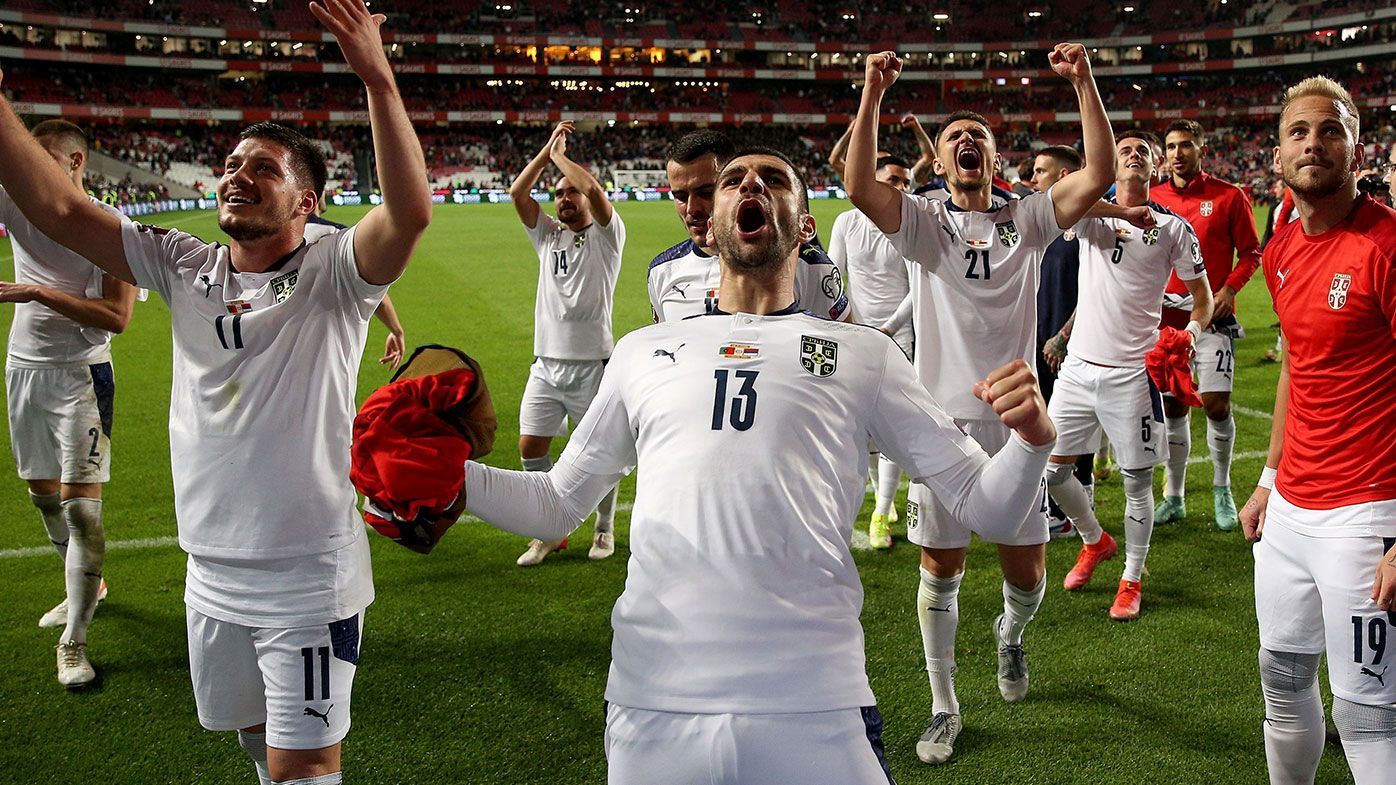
point(1221, 215)
point(1325, 572)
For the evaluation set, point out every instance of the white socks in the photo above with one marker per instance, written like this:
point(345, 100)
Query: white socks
point(1221, 434)
point(1139, 519)
point(537, 464)
point(333, 778)
point(1369, 740)
point(889, 476)
point(606, 511)
point(1293, 726)
point(255, 745)
point(938, 610)
point(87, 547)
point(1179, 433)
point(51, 508)
point(1019, 605)
point(1070, 495)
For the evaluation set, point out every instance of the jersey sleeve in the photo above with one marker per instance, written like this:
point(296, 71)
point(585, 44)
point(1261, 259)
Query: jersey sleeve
point(7, 208)
point(612, 233)
point(155, 255)
point(1038, 219)
point(1246, 240)
point(918, 239)
point(1187, 253)
point(356, 294)
point(821, 285)
point(838, 244)
point(603, 443)
point(539, 233)
point(912, 428)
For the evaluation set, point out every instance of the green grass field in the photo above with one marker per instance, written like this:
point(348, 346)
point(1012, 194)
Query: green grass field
point(475, 671)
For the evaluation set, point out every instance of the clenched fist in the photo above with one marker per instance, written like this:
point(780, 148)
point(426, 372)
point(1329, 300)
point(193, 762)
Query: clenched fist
point(1013, 393)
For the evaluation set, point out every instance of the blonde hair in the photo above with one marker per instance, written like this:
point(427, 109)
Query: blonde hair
point(1323, 87)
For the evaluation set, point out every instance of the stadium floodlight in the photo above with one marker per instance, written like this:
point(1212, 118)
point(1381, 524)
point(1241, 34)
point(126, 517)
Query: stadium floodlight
point(941, 16)
point(1129, 9)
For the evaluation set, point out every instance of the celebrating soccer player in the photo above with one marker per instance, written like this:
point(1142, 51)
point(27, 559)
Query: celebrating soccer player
point(579, 255)
point(1220, 213)
point(1325, 569)
point(268, 331)
point(60, 388)
point(737, 637)
point(974, 283)
point(1103, 384)
point(683, 280)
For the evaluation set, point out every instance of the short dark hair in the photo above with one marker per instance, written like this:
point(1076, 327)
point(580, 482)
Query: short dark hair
point(800, 183)
point(1139, 133)
point(1064, 155)
point(307, 160)
point(962, 114)
point(696, 144)
point(891, 160)
point(63, 130)
point(1188, 127)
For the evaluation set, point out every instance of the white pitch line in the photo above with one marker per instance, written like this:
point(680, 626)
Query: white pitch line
point(1249, 412)
point(115, 545)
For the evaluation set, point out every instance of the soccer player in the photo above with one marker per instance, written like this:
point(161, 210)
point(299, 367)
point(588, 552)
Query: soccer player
point(920, 172)
point(683, 280)
point(579, 255)
point(738, 654)
point(1056, 304)
point(881, 293)
point(59, 386)
point(1220, 213)
point(1325, 570)
point(268, 334)
point(974, 286)
point(1103, 384)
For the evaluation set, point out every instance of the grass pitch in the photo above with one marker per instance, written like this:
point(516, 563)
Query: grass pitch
point(476, 671)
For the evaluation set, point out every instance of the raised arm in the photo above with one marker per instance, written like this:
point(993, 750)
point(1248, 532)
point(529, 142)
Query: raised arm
point(838, 157)
point(879, 201)
point(1078, 191)
point(385, 238)
point(58, 208)
point(110, 312)
point(922, 169)
point(521, 191)
point(601, 210)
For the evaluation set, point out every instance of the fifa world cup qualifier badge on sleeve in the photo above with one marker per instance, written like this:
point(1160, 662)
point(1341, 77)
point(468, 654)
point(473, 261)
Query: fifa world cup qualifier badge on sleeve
point(819, 356)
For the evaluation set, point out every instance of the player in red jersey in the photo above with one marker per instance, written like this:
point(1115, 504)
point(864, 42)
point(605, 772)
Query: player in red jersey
point(1325, 572)
point(1221, 215)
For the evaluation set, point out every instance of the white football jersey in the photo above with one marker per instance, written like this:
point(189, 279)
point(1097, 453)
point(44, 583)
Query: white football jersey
point(1124, 270)
point(683, 282)
point(40, 336)
point(877, 276)
point(750, 434)
point(261, 409)
point(974, 290)
point(577, 274)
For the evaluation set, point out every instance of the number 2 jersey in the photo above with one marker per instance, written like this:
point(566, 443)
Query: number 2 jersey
point(973, 290)
point(261, 409)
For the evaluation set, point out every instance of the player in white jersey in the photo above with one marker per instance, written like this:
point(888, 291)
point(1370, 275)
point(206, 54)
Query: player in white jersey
point(59, 386)
point(1102, 384)
point(579, 256)
point(738, 653)
point(877, 279)
point(268, 335)
point(683, 280)
point(974, 288)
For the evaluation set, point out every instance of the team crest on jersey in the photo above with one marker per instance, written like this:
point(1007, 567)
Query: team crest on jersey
point(283, 285)
point(1338, 291)
point(1151, 236)
point(1206, 208)
point(1008, 234)
point(578, 241)
point(238, 306)
point(913, 515)
point(818, 356)
point(1069, 235)
point(739, 351)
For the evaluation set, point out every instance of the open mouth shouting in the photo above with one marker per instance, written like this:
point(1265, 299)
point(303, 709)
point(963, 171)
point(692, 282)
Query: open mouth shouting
point(752, 220)
point(969, 159)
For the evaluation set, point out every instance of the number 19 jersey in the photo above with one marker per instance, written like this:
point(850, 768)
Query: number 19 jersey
point(973, 290)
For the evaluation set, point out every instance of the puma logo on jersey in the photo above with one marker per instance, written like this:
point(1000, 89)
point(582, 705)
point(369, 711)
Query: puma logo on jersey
point(208, 285)
point(680, 288)
point(1380, 677)
point(668, 353)
point(325, 718)
point(1280, 274)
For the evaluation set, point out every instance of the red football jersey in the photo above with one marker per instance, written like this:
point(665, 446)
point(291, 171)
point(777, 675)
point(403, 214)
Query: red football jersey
point(1221, 215)
point(1335, 294)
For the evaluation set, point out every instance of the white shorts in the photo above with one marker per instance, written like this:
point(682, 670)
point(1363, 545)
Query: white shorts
point(60, 422)
point(1214, 361)
point(296, 680)
point(931, 525)
point(1122, 401)
point(1313, 595)
point(842, 747)
point(556, 390)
